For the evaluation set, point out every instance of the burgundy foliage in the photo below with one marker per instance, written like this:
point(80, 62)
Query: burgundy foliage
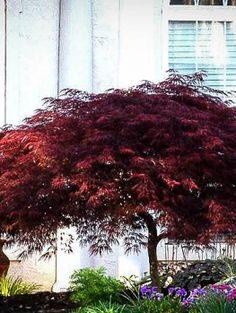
point(116, 163)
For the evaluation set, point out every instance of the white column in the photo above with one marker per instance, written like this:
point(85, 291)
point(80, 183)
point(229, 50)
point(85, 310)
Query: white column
point(105, 57)
point(105, 38)
point(76, 45)
point(65, 263)
point(75, 71)
point(88, 61)
point(158, 41)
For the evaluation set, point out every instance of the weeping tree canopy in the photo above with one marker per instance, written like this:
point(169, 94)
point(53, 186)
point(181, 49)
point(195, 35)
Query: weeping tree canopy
point(116, 163)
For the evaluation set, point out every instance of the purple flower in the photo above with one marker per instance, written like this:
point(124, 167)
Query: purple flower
point(181, 293)
point(149, 292)
point(194, 295)
point(177, 291)
point(159, 296)
point(146, 291)
point(172, 290)
point(187, 302)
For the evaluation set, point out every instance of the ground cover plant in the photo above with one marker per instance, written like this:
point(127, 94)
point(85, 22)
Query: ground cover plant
point(120, 163)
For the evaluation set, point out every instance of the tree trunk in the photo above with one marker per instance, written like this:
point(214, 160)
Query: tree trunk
point(152, 255)
point(153, 240)
point(4, 261)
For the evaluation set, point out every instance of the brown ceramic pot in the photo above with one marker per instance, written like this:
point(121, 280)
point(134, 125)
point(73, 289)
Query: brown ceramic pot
point(4, 261)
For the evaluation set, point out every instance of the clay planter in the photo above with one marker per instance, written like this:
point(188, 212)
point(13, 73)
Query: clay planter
point(4, 261)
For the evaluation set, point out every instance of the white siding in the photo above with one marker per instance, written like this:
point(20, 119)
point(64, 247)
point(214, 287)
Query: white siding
point(2, 62)
point(32, 52)
point(138, 34)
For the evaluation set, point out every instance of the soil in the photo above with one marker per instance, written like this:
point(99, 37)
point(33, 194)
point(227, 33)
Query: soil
point(40, 302)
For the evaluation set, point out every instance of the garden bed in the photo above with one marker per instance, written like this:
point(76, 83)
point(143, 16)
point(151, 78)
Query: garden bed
point(40, 302)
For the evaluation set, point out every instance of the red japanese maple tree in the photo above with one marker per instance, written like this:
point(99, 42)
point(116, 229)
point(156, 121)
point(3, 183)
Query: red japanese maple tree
point(119, 163)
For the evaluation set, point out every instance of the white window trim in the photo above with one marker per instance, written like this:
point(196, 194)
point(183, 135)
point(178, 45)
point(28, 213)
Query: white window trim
point(190, 13)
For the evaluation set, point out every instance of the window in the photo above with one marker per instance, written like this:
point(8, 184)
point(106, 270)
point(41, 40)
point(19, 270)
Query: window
point(204, 45)
point(203, 2)
point(203, 38)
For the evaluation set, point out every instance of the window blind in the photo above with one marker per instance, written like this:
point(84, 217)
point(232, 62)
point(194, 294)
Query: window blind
point(209, 46)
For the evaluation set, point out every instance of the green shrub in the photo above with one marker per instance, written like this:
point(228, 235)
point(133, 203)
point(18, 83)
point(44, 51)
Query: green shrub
point(90, 286)
point(213, 303)
point(10, 286)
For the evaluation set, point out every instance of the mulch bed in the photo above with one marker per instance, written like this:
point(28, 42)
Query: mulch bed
point(40, 302)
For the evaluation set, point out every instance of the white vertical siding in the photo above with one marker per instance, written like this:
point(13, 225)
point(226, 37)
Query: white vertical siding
point(32, 51)
point(2, 62)
point(137, 41)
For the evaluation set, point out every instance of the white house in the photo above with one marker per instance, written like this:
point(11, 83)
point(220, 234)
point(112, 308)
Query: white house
point(93, 45)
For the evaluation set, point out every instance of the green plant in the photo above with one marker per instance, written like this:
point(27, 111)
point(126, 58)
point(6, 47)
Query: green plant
point(229, 270)
point(131, 293)
point(90, 286)
point(200, 273)
point(213, 303)
point(10, 286)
